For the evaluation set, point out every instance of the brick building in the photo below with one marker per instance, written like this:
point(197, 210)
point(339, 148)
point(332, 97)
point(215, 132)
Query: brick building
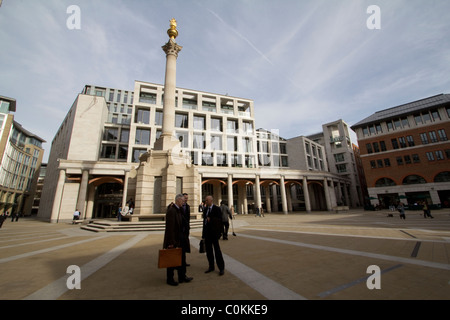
point(405, 152)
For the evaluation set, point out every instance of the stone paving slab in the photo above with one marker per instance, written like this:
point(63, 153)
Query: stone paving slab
point(318, 256)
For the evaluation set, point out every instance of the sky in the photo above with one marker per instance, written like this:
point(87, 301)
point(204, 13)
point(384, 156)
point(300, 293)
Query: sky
point(304, 63)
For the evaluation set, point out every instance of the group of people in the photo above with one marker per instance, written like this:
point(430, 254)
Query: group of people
point(14, 217)
point(425, 208)
point(215, 224)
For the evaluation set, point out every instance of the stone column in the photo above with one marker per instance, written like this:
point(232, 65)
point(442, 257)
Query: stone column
point(58, 196)
point(283, 195)
point(167, 141)
point(327, 195)
point(268, 202)
point(81, 203)
point(306, 195)
point(230, 190)
point(125, 189)
point(258, 191)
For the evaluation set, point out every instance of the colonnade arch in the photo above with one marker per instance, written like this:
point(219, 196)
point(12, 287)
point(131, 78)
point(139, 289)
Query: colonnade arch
point(275, 195)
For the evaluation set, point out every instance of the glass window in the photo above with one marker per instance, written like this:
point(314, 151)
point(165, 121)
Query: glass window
point(216, 124)
point(111, 134)
point(415, 158)
point(439, 155)
point(232, 143)
point(232, 126)
point(376, 147)
point(199, 122)
point(181, 120)
point(216, 142)
point(108, 151)
point(142, 136)
point(199, 141)
point(158, 118)
point(405, 122)
point(433, 137)
point(394, 143)
point(435, 115)
point(410, 140)
point(430, 156)
point(123, 152)
point(221, 160)
point(247, 144)
point(142, 116)
point(442, 135)
point(426, 117)
point(418, 118)
point(402, 142)
point(183, 137)
point(124, 135)
point(424, 138)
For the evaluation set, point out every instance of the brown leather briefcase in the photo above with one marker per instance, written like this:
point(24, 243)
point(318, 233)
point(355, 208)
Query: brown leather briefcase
point(169, 258)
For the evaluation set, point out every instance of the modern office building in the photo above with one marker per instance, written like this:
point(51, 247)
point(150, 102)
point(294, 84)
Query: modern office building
point(21, 155)
point(96, 152)
point(330, 150)
point(405, 152)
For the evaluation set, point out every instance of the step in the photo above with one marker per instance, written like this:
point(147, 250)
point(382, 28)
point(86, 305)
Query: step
point(111, 226)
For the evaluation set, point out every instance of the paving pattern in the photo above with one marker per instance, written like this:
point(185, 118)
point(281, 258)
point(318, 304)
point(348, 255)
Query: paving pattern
point(317, 256)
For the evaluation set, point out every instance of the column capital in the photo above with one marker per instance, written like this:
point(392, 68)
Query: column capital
point(172, 48)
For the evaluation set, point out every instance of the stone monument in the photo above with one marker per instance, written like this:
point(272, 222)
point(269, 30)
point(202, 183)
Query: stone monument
point(166, 169)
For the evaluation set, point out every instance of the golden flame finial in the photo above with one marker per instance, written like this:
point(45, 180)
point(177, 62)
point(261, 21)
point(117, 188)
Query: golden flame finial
point(173, 32)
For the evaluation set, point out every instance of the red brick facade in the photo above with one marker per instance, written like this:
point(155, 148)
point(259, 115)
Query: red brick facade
point(411, 150)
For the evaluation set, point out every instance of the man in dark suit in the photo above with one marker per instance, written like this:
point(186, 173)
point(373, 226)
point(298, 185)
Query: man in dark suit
point(177, 236)
point(187, 218)
point(212, 229)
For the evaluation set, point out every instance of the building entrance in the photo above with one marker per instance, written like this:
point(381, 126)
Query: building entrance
point(108, 200)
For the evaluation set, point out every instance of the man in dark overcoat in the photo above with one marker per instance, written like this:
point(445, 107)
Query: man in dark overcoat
point(212, 229)
point(177, 236)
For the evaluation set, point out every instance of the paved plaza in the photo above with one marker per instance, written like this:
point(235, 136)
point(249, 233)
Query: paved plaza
point(316, 256)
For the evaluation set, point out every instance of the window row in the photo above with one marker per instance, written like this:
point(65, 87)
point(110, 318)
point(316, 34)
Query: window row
point(403, 122)
point(410, 159)
point(408, 141)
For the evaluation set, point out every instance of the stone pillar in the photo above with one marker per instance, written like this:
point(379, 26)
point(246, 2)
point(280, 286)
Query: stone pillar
point(283, 195)
point(327, 195)
point(167, 141)
point(125, 189)
point(81, 203)
point(258, 192)
point(268, 202)
point(58, 196)
point(306, 195)
point(230, 190)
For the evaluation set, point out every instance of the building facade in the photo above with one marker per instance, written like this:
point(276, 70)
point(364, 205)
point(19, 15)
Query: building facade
point(21, 156)
point(107, 133)
point(405, 152)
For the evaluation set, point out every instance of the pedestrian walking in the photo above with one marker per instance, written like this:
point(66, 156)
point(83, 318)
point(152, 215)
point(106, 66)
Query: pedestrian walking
point(401, 209)
point(226, 214)
point(426, 210)
point(2, 219)
point(212, 229)
point(176, 236)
